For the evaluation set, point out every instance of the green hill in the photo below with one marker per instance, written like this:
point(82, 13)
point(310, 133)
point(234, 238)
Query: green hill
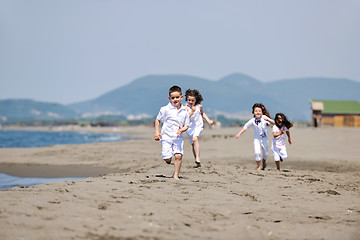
point(24, 109)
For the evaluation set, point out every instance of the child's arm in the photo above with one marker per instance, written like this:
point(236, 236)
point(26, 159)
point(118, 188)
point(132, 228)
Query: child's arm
point(181, 130)
point(186, 124)
point(211, 122)
point(157, 135)
point(288, 135)
point(246, 126)
point(276, 134)
point(269, 120)
point(241, 132)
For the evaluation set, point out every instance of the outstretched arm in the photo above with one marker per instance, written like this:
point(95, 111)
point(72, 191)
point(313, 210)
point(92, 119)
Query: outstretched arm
point(241, 132)
point(211, 122)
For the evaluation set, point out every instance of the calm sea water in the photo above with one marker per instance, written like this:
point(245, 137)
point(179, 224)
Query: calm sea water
point(27, 139)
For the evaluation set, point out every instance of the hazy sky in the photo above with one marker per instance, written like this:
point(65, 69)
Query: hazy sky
point(67, 51)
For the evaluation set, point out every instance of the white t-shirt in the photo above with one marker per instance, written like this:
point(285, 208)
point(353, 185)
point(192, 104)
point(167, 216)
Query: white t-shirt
point(196, 120)
point(279, 140)
point(260, 129)
point(172, 118)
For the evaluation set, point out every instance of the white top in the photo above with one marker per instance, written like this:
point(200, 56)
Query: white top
point(172, 118)
point(260, 129)
point(279, 140)
point(196, 120)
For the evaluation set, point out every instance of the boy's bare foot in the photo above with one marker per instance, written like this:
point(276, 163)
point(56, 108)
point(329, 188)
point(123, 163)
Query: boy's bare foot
point(259, 168)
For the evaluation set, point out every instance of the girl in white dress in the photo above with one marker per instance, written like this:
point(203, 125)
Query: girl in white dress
point(281, 127)
point(260, 121)
point(196, 113)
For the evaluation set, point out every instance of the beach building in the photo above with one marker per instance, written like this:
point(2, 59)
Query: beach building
point(335, 113)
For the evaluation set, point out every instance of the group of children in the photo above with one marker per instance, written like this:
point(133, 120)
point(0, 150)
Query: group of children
point(177, 118)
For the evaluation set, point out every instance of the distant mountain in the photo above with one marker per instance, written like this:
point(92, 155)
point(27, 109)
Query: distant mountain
point(24, 109)
point(234, 94)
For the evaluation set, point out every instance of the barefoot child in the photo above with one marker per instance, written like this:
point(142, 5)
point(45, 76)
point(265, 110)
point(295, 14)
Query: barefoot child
point(259, 122)
point(175, 121)
point(196, 113)
point(281, 127)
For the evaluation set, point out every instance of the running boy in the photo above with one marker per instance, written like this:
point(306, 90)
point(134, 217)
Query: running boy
point(175, 121)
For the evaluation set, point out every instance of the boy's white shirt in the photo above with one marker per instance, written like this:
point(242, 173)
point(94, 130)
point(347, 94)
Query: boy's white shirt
point(279, 140)
point(172, 118)
point(259, 129)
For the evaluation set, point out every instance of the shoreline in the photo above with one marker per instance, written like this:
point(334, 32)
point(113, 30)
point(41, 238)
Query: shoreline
point(53, 171)
point(134, 130)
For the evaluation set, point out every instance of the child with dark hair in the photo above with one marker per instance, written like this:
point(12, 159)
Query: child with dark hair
point(196, 113)
point(281, 127)
point(260, 121)
point(175, 121)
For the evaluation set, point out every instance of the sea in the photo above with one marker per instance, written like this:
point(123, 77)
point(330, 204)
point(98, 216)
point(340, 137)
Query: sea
point(28, 139)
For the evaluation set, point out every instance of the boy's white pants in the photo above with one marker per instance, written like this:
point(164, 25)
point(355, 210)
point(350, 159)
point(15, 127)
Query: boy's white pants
point(171, 147)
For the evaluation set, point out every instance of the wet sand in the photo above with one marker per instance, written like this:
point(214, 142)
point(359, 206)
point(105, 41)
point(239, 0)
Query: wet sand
point(131, 194)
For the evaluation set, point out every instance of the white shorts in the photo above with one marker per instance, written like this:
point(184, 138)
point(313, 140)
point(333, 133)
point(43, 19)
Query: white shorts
point(170, 148)
point(194, 132)
point(279, 151)
point(261, 144)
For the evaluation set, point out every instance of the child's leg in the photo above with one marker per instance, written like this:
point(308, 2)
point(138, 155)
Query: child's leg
point(257, 148)
point(178, 160)
point(196, 149)
point(264, 164)
point(193, 150)
point(258, 165)
point(265, 152)
point(178, 153)
point(168, 160)
point(277, 165)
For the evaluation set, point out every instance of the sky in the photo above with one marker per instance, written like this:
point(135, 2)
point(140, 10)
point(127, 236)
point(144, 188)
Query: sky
point(67, 51)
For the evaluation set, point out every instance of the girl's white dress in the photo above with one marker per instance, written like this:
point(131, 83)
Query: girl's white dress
point(278, 144)
point(196, 124)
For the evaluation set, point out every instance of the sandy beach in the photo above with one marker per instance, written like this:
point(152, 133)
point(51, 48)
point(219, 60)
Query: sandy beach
point(130, 194)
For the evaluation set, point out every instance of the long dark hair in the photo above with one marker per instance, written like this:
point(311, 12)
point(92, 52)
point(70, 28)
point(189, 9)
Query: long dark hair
point(263, 109)
point(194, 93)
point(285, 121)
